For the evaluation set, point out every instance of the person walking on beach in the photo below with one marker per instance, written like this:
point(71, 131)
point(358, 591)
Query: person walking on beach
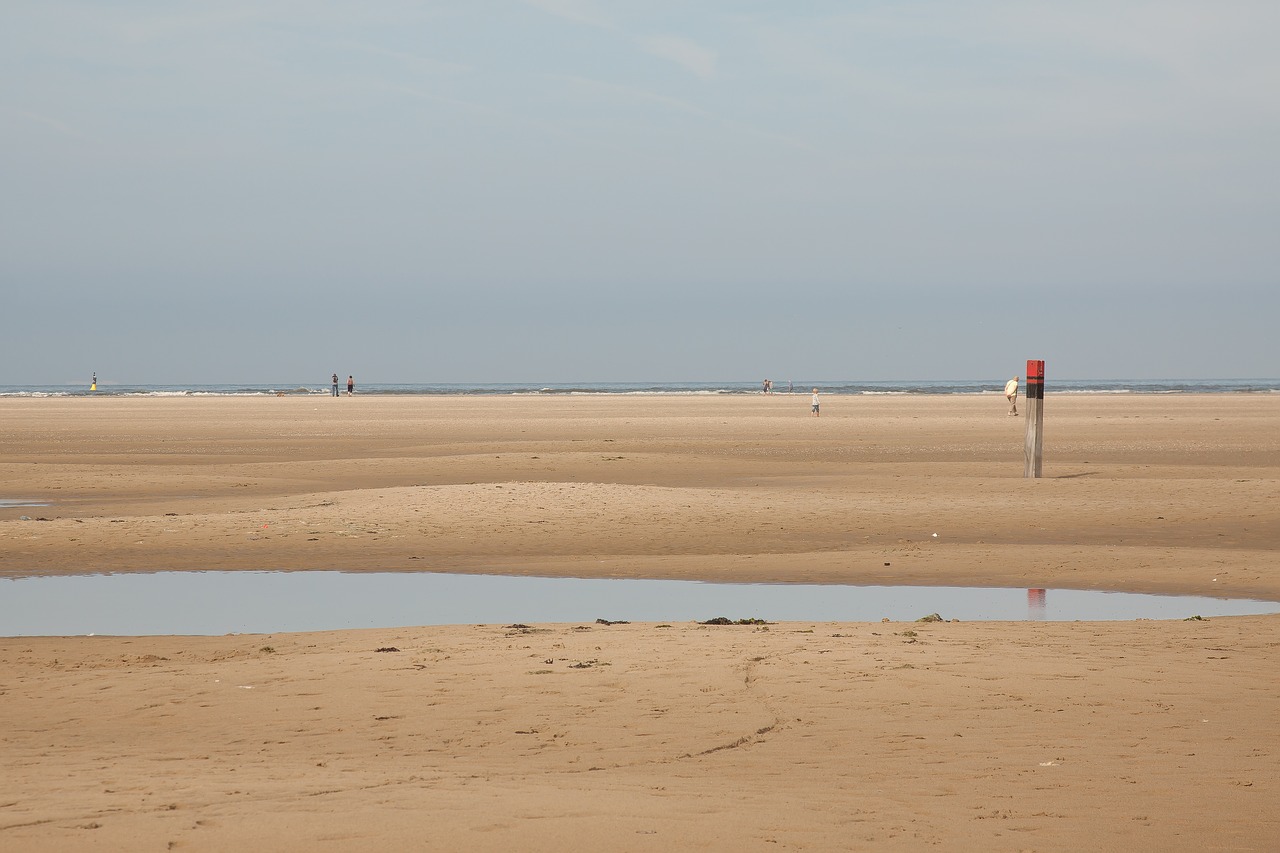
point(1011, 394)
point(814, 406)
point(335, 384)
point(93, 386)
point(351, 386)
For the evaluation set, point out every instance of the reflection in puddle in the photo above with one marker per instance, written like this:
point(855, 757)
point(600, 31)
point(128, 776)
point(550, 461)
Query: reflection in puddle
point(270, 602)
point(6, 503)
point(1038, 604)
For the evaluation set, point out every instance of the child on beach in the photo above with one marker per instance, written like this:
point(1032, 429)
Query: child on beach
point(815, 403)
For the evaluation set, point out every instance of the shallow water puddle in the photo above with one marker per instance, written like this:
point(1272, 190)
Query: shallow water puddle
point(270, 602)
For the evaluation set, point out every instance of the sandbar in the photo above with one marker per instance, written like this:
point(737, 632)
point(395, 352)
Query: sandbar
point(786, 736)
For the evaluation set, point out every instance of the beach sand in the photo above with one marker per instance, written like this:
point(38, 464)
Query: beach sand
point(1142, 735)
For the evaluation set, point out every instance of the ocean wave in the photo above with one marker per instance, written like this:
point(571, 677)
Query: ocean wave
point(35, 394)
point(1051, 390)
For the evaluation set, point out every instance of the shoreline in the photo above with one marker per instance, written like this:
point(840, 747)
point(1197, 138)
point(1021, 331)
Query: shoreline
point(830, 387)
point(794, 569)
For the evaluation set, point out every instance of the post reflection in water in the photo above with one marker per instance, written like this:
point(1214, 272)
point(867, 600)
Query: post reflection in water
point(1036, 604)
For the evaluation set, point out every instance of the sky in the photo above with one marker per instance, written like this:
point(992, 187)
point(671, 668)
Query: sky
point(642, 190)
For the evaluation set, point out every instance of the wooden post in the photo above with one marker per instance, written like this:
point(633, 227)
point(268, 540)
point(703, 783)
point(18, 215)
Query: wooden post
point(1034, 455)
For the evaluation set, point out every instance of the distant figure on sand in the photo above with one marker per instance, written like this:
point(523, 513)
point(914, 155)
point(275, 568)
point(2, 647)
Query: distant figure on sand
point(814, 407)
point(768, 385)
point(1011, 394)
point(335, 384)
point(351, 386)
point(93, 386)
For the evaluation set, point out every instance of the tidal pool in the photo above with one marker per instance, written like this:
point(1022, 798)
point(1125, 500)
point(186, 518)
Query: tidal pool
point(8, 503)
point(271, 602)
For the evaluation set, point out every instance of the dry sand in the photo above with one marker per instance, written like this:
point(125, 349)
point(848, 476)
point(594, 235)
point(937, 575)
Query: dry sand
point(975, 736)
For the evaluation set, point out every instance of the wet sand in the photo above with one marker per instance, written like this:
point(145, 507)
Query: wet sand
point(1005, 736)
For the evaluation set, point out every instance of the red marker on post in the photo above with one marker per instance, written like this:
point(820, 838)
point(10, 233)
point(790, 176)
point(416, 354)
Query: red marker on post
point(1034, 455)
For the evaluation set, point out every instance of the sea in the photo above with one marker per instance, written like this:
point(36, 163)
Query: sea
point(927, 387)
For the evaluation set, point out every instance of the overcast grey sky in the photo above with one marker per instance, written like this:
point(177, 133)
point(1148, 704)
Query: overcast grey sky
point(560, 190)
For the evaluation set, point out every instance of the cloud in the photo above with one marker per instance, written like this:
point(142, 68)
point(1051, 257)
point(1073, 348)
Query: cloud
point(414, 62)
point(173, 25)
point(684, 52)
point(43, 121)
point(577, 11)
point(614, 91)
point(687, 54)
